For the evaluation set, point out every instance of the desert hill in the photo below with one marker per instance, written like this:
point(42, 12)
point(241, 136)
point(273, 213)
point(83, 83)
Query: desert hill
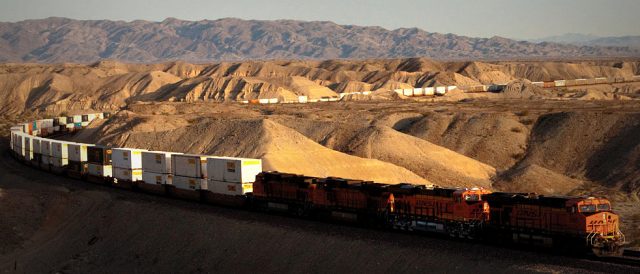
point(67, 40)
point(281, 148)
point(110, 85)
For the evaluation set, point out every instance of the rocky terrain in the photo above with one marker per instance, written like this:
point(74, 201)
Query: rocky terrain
point(67, 40)
point(111, 85)
point(576, 141)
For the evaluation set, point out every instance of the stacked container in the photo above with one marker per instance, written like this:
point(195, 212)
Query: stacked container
point(156, 166)
point(441, 90)
point(418, 92)
point(560, 83)
point(37, 154)
point(19, 145)
point(78, 157)
point(99, 161)
point(190, 171)
point(429, 91)
point(232, 176)
point(45, 150)
point(127, 164)
point(28, 148)
point(59, 154)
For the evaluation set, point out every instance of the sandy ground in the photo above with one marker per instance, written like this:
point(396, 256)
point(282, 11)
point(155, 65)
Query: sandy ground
point(54, 224)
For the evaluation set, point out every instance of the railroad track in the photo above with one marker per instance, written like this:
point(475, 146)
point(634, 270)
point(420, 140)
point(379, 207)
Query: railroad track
point(623, 260)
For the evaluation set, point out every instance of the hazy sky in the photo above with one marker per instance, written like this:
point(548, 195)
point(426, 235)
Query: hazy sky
point(479, 18)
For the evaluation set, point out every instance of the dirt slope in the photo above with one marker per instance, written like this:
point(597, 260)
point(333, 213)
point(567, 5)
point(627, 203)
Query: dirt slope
point(599, 146)
point(498, 139)
point(534, 178)
point(281, 148)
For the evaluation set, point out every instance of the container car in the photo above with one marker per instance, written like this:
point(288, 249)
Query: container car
point(429, 91)
point(99, 168)
point(156, 166)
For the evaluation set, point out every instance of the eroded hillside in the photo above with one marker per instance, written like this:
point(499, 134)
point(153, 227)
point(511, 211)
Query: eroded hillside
point(111, 85)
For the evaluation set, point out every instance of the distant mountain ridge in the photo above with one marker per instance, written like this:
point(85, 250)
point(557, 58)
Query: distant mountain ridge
point(55, 40)
point(591, 40)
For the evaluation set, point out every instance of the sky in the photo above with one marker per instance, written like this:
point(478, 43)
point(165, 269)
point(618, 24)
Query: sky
point(522, 19)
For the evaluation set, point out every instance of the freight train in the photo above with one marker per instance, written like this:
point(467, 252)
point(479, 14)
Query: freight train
point(582, 223)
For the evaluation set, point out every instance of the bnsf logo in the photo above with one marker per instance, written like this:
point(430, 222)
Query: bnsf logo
point(601, 222)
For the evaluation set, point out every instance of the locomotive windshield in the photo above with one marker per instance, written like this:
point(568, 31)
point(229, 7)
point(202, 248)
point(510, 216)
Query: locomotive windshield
point(604, 207)
point(588, 208)
point(472, 197)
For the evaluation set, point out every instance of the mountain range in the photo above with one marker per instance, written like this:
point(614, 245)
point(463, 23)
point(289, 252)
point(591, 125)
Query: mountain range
point(57, 40)
point(591, 40)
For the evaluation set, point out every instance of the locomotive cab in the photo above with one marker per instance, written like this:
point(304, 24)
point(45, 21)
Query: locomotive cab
point(600, 224)
point(469, 203)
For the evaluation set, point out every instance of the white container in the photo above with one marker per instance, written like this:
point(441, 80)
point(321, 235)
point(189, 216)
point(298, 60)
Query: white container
point(36, 145)
point(189, 165)
point(100, 115)
point(58, 162)
point(263, 101)
point(92, 116)
point(130, 175)
point(100, 170)
point(157, 161)
point(46, 123)
point(153, 178)
point(62, 121)
point(418, 92)
point(20, 140)
point(128, 158)
point(450, 88)
point(429, 91)
point(441, 90)
point(77, 118)
point(28, 148)
point(560, 83)
point(407, 92)
point(45, 147)
point(78, 152)
point(189, 183)
point(302, 99)
point(273, 101)
point(540, 84)
point(84, 124)
point(228, 188)
point(236, 170)
point(60, 149)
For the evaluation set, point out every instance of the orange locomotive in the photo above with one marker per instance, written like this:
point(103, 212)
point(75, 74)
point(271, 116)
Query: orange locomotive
point(458, 212)
point(555, 221)
point(335, 198)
